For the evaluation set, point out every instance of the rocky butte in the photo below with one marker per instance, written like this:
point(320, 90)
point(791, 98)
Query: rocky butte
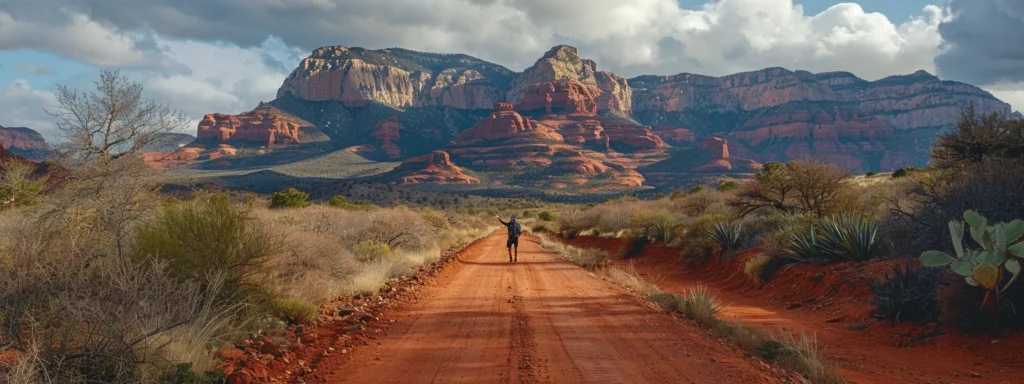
point(565, 114)
point(25, 143)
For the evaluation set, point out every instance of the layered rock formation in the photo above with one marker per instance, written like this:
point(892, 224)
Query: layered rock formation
point(25, 143)
point(569, 97)
point(435, 167)
point(397, 78)
point(777, 115)
point(263, 126)
point(532, 153)
point(562, 64)
point(564, 115)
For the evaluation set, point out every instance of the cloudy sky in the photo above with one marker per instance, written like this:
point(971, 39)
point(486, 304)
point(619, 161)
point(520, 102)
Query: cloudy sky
point(205, 56)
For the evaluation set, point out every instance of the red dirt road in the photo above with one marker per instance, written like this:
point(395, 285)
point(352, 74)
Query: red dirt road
point(541, 320)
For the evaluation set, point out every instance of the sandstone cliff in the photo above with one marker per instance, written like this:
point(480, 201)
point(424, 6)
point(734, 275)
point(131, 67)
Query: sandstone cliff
point(564, 115)
point(563, 64)
point(397, 78)
point(25, 143)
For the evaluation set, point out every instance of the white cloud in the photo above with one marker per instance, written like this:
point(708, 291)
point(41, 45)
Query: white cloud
point(1012, 93)
point(81, 39)
point(23, 107)
point(203, 61)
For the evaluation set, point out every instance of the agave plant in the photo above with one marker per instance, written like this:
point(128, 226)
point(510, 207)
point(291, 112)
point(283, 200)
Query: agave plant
point(727, 235)
point(843, 238)
point(1002, 247)
point(852, 238)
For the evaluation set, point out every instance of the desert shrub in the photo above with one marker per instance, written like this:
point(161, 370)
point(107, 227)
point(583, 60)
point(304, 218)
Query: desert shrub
point(370, 251)
point(870, 174)
point(136, 316)
point(800, 352)
point(696, 235)
point(208, 236)
point(727, 186)
point(702, 305)
point(906, 294)
point(904, 172)
point(837, 239)
point(338, 202)
point(396, 228)
point(994, 188)
point(676, 194)
point(294, 311)
point(312, 266)
point(438, 221)
point(696, 189)
point(17, 185)
point(702, 202)
point(978, 137)
point(670, 301)
point(183, 374)
point(654, 225)
point(754, 267)
point(632, 247)
point(796, 186)
point(589, 258)
point(545, 216)
point(289, 198)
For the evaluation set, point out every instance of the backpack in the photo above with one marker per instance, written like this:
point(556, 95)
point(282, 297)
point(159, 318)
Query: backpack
point(516, 230)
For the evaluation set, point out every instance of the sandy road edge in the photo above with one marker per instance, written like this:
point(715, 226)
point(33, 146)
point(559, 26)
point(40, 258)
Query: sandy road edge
point(343, 326)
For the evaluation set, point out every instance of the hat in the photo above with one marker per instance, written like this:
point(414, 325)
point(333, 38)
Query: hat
point(513, 218)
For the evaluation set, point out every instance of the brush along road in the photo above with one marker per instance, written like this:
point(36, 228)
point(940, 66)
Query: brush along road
point(540, 320)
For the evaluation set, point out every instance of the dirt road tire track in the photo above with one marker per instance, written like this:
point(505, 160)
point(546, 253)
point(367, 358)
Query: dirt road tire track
point(541, 320)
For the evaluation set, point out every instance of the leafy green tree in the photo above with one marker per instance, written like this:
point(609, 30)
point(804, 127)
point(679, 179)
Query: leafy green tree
point(289, 198)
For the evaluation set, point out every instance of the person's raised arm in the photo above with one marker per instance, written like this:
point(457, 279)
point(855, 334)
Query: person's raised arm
point(502, 221)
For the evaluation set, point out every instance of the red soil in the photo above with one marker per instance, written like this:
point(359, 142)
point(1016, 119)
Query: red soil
point(832, 303)
point(484, 320)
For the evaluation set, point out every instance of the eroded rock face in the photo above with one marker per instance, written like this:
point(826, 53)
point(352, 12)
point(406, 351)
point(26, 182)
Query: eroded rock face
point(564, 114)
point(506, 123)
point(25, 143)
point(264, 126)
point(675, 135)
point(389, 130)
point(909, 102)
point(563, 97)
point(563, 64)
point(435, 167)
point(397, 78)
point(517, 146)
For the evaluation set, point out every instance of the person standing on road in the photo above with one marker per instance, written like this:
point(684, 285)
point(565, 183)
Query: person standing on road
point(514, 230)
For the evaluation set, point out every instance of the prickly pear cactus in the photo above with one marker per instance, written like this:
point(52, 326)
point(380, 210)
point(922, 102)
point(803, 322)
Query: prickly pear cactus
point(1002, 250)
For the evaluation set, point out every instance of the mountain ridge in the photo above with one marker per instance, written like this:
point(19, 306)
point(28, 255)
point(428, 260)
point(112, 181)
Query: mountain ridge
point(407, 103)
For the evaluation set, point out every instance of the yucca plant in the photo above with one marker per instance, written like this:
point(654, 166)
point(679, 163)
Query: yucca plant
point(727, 235)
point(1002, 248)
point(837, 239)
point(808, 246)
point(852, 238)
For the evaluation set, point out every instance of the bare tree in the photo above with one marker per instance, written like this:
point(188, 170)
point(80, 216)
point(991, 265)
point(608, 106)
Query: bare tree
point(114, 121)
point(771, 188)
point(818, 186)
point(796, 186)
